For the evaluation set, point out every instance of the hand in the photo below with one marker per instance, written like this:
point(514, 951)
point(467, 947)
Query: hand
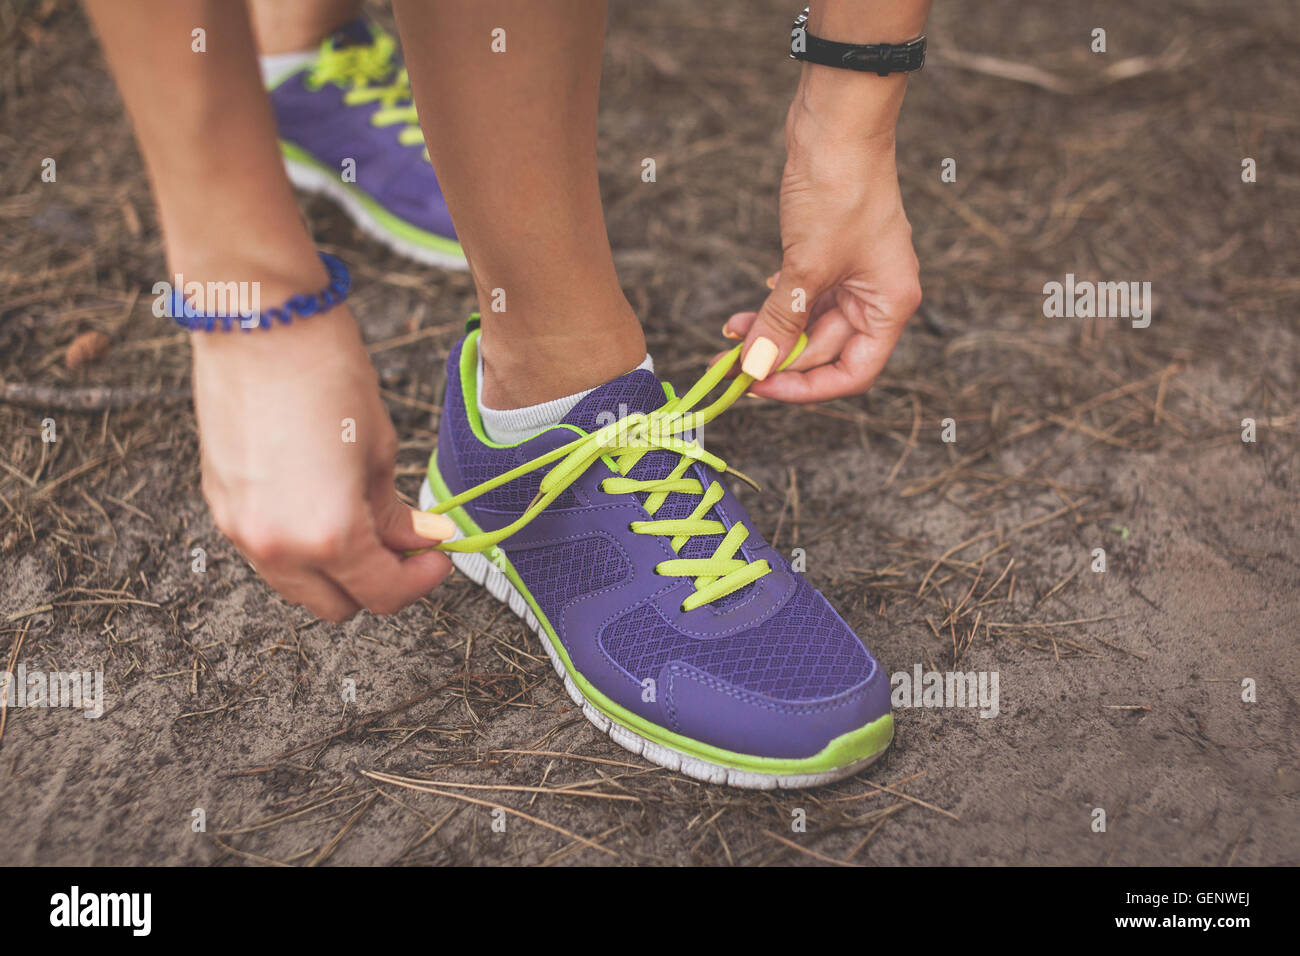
point(317, 515)
point(848, 272)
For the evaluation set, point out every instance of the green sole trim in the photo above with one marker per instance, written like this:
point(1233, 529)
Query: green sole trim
point(390, 223)
point(845, 749)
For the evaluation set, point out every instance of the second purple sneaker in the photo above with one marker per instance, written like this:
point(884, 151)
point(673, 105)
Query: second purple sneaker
point(348, 130)
point(676, 628)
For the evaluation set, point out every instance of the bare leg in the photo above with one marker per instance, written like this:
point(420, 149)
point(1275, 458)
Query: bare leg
point(205, 129)
point(317, 514)
point(513, 138)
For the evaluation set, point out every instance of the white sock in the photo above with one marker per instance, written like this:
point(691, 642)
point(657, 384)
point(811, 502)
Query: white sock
point(276, 66)
point(512, 425)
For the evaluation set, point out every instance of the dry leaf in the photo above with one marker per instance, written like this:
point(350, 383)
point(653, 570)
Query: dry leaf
point(85, 348)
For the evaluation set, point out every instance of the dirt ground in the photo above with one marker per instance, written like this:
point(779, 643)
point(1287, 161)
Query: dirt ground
point(1120, 691)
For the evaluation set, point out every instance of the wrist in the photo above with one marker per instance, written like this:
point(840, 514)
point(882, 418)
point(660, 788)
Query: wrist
point(234, 298)
point(847, 108)
point(885, 22)
point(856, 104)
point(304, 344)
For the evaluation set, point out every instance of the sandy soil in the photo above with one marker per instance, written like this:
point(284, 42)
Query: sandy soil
point(1120, 691)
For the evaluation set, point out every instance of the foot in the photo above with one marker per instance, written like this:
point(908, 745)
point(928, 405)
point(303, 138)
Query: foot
point(348, 130)
point(675, 627)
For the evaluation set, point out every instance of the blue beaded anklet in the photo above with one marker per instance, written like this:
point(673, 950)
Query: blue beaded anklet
point(301, 306)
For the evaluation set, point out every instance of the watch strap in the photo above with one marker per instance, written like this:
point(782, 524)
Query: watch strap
point(879, 58)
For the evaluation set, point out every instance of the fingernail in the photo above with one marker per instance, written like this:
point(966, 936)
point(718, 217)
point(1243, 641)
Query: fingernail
point(770, 282)
point(432, 526)
point(728, 334)
point(760, 358)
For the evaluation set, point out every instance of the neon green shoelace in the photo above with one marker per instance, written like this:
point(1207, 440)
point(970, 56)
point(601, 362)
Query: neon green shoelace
point(624, 443)
point(362, 71)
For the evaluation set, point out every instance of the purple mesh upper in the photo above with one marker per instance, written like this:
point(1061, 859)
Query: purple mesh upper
point(636, 392)
point(804, 653)
point(558, 574)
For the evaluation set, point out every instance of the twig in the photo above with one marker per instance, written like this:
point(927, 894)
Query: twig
point(1047, 624)
point(558, 791)
point(803, 849)
point(90, 399)
point(398, 782)
point(1117, 72)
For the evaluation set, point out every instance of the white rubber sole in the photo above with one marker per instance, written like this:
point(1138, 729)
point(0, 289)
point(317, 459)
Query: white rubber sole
point(482, 571)
point(312, 180)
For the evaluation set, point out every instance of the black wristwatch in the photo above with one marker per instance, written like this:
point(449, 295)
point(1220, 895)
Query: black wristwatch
point(879, 58)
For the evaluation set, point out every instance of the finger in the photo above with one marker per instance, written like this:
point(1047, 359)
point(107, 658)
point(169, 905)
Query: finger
point(783, 316)
point(734, 328)
point(851, 374)
point(827, 336)
point(312, 590)
point(383, 583)
point(828, 331)
point(402, 528)
point(738, 326)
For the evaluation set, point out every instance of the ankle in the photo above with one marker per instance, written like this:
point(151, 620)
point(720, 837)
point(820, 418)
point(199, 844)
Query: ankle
point(531, 370)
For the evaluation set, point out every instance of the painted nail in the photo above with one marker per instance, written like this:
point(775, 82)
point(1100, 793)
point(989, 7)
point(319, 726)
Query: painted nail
point(432, 526)
point(771, 280)
point(728, 334)
point(760, 358)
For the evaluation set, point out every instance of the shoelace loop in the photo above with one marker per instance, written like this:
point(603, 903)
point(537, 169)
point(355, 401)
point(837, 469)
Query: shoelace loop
point(624, 443)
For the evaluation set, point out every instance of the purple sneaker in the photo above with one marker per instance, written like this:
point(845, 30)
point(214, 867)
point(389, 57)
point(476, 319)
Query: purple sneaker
point(676, 628)
point(348, 130)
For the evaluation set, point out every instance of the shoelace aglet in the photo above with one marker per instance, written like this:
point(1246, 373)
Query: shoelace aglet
point(745, 478)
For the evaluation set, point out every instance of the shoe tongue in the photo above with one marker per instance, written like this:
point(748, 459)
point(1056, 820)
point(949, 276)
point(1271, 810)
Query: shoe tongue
point(354, 33)
point(636, 392)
